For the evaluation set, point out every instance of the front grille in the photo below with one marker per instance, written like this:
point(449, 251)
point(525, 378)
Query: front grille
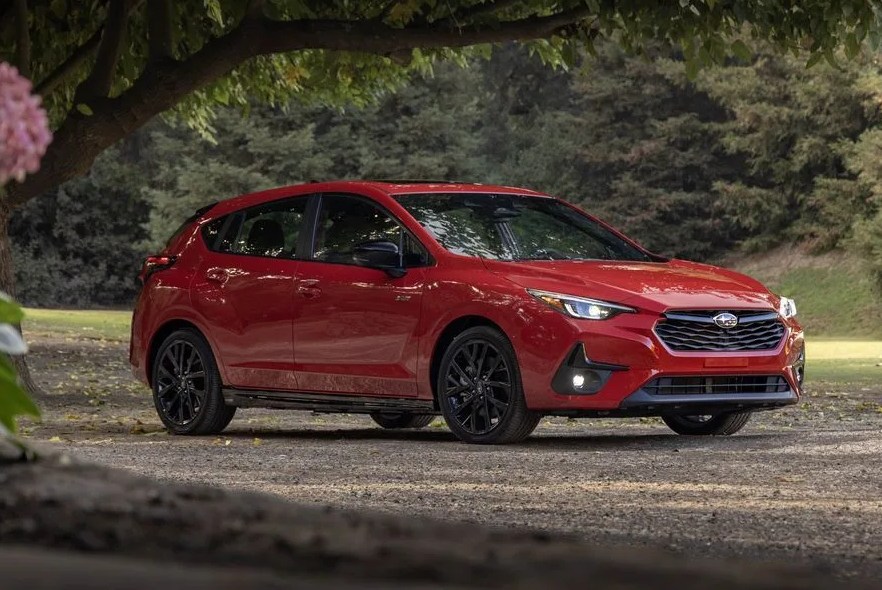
point(697, 331)
point(720, 384)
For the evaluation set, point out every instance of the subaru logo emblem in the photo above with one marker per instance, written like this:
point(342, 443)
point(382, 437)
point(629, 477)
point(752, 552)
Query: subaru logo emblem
point(726, 320)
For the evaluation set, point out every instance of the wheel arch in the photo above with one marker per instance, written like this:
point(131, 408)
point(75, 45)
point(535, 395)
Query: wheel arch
point(162, 333)
point(450, 331)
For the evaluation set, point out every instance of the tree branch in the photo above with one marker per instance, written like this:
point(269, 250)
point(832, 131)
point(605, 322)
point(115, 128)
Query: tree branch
point(159, 29)
point(23, 38)
point(371, 37)
point(100, 80)
point(67, 67)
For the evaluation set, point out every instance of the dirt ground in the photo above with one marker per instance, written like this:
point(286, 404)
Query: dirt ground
point(800, 485)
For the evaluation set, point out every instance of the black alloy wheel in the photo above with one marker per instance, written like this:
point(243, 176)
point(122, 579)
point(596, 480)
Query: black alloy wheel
point(180, 388)
point(187, 386)
point(479, 389)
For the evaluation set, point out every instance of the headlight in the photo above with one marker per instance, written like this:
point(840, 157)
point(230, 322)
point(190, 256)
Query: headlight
point(787, 307)
point(580, 307)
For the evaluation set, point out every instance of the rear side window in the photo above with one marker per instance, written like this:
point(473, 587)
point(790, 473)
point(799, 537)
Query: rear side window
point(211, 231)
point(188, 222)
point(272, 229)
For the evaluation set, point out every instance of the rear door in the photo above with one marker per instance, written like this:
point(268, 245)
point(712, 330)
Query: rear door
point(355, 327)
point(245, 288)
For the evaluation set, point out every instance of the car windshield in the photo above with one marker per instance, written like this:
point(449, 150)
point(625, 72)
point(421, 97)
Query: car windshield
point(516, 227)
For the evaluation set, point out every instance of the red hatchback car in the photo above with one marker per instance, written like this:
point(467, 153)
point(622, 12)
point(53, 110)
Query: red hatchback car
point(493, 306)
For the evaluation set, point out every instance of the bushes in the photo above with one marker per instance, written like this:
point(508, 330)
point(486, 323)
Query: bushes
point(82, 246)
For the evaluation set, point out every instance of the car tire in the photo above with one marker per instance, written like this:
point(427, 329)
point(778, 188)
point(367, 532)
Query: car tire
point(186, 385)
point(714, 425)
point(469, 396)
point(395, 420)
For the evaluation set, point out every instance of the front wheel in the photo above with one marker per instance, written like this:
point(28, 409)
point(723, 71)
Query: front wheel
point(396, 420)
point(707, 424)
point(479, 389)
point(187, 386)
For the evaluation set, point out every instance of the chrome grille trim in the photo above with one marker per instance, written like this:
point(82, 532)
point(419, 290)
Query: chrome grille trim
point(695, 331)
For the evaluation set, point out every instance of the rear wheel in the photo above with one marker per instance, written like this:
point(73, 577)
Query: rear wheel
point(401, 419)
point(480, 392)
point(187, 386)
point(707, 424)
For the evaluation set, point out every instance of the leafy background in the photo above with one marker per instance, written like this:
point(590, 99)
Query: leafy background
point(744, 157)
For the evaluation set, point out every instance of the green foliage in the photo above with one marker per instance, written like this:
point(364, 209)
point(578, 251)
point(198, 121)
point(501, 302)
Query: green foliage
point(80, 245)
point(864, 161)
point(867, 240)
point(791, 130)
point(705, 31)
point(13, 399)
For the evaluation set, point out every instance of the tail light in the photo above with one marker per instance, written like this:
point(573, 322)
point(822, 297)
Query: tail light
point(153, 264)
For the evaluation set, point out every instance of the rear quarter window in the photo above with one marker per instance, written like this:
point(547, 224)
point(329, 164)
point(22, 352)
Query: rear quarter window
point(211, 231)
point(187, 223)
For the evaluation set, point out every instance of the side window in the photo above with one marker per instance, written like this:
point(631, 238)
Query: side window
point(211, 230)
point(270, 230)
point(345, 222)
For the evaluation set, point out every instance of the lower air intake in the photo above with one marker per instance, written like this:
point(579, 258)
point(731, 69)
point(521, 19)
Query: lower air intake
point(718, 384)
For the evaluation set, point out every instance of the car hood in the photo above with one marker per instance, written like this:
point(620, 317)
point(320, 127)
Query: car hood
point(654, 286)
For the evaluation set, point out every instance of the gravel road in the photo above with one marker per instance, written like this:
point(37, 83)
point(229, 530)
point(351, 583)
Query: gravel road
point(802, 484)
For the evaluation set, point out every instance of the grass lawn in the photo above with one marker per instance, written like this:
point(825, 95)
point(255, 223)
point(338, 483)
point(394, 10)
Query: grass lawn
point(95, 324)
point(844, 361)
point(828, 360)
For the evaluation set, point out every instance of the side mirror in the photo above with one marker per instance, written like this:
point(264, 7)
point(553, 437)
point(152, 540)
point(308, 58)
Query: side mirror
point(382, 255)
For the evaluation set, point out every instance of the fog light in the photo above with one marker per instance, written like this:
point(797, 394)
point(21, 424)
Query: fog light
point(578, 381)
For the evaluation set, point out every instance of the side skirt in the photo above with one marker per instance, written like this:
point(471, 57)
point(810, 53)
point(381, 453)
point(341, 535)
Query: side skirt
point(325, 402)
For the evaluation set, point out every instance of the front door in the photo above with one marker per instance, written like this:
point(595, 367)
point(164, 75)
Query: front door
point(355, 327)
point(245, 289)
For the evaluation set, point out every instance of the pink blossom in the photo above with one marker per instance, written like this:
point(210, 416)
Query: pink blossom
point(24, 127)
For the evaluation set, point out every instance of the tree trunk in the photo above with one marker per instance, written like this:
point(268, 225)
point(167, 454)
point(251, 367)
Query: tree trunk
point(7, 285)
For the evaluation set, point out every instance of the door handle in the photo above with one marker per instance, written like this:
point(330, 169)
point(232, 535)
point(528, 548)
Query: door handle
point(309, 289)
point(216, 275)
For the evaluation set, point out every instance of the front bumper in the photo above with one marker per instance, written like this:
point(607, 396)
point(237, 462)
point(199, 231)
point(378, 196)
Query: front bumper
point(631, 357)
point(643, 402)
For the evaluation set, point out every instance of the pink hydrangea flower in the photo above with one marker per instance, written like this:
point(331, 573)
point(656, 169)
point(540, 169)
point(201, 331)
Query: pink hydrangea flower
point(24, 127)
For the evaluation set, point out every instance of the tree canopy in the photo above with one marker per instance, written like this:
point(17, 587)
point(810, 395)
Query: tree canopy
point(106, 67)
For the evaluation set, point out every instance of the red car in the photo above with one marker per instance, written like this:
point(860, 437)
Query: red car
point(491, 305)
